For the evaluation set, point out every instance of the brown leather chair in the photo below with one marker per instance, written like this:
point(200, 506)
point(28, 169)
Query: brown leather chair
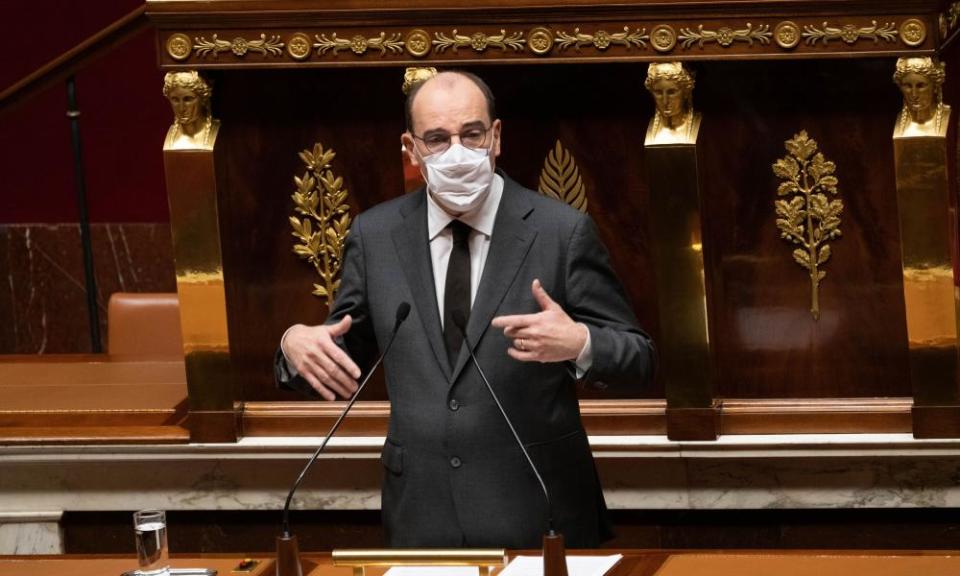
point(146, 325)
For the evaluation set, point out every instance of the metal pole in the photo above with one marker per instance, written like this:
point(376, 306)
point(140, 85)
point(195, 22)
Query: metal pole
point(73, 113)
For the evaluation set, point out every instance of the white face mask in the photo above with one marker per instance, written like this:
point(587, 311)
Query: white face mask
point(459, 178)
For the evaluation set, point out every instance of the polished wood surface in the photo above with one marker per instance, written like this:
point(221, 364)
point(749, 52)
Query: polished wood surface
point(91, 399)
point(633, 563)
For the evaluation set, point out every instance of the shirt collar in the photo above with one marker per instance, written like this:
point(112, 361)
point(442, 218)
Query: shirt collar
point(480, 218)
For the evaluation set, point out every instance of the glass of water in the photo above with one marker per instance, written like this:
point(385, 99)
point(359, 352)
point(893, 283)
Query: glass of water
point(152, 553)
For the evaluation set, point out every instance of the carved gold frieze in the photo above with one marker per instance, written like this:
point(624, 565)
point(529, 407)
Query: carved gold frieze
point(358, 44)
point(179, 46)
point(540, 40)
point(724, 36)
point(322, 201)
point(601, 39)
point(806, 214)
point(418, 43)
point(239, 46)
point(913, 32)
point(561, 40)
point(850, 33)
point(787, 35)
point(478, 41)
point(663, 38)
point(560, 178)
point(298, 46)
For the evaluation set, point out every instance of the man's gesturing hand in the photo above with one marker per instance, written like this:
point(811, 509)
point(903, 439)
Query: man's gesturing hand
point(320, 361)
point(547, 336)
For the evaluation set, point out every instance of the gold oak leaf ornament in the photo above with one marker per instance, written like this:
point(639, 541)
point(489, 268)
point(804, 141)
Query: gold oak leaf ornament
point(560, 178)
point(806, 216)
point(322, 200)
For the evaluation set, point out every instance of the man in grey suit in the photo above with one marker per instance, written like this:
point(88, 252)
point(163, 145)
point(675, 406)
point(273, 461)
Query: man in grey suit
point(532, 282)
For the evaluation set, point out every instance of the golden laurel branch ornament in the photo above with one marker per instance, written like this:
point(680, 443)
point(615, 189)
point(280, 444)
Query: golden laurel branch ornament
point(322, 200)
point(560, 178)
point(809, 217)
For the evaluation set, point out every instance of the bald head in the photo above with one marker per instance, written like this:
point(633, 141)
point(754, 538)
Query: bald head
point(454, 80)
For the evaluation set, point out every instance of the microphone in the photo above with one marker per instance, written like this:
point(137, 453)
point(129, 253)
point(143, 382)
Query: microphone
point(554, 552)
point(288, 561)
point(460, 322)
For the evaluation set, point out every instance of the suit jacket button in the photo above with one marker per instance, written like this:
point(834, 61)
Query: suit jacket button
point(455, 462)
point(453, 404)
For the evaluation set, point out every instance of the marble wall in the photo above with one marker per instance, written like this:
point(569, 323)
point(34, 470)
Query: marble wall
point(42, 287)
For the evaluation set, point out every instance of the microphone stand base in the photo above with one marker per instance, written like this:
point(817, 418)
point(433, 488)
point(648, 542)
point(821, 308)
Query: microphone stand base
point(554, 555)
point(288, 557)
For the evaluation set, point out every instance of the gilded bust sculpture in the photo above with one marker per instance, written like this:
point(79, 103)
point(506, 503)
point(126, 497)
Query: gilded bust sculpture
point(675, 121)
point(193, 127)
point(924, 113)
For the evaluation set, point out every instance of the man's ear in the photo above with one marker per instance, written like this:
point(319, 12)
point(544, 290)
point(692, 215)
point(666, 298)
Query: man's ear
point(409, 146)
point(495, 128)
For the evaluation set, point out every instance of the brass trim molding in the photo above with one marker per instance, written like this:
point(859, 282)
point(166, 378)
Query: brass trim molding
point(540, 40)
point(478, 41)
point(560, 178)
point(179, 46)
point(321, 198)
point(809, 218)
point(787, 35)
point(913, 32)
point(240, 46)
point(299, 46)
point(601, 39)
point(663, 38)
point(358, 44)
point(850, 33)
point(724, 36)
point(418, 43)
point(570, 39)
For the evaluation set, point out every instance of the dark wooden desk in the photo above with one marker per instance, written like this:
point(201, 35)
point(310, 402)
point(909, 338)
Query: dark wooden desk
point(634, 563)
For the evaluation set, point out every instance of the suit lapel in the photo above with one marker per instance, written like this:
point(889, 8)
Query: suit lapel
point(413, 249)
point(509, 245)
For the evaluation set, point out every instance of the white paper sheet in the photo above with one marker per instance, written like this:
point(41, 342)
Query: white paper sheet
point(433, 571)
point(576, 565)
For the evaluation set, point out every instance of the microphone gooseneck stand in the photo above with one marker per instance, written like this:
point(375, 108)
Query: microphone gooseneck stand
point(288, 551)
point(554, 551)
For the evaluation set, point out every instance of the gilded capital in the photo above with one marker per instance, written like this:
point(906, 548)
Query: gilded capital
point(675, 121)
point(924, 113)
point(413, 76)
point(193, 127)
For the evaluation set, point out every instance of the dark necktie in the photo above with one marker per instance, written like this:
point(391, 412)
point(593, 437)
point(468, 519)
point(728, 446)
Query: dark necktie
point(456, 295)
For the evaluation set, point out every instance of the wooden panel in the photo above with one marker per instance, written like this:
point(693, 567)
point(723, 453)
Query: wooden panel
point(620, 417)
point(359, 114)
point(768, 345)
point(87, 399)
point(94, 435)
point(767, 342)
point(600, 417)
point(828, 416)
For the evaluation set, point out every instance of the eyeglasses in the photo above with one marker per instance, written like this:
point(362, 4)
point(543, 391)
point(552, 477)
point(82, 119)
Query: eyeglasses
point(439, 141)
